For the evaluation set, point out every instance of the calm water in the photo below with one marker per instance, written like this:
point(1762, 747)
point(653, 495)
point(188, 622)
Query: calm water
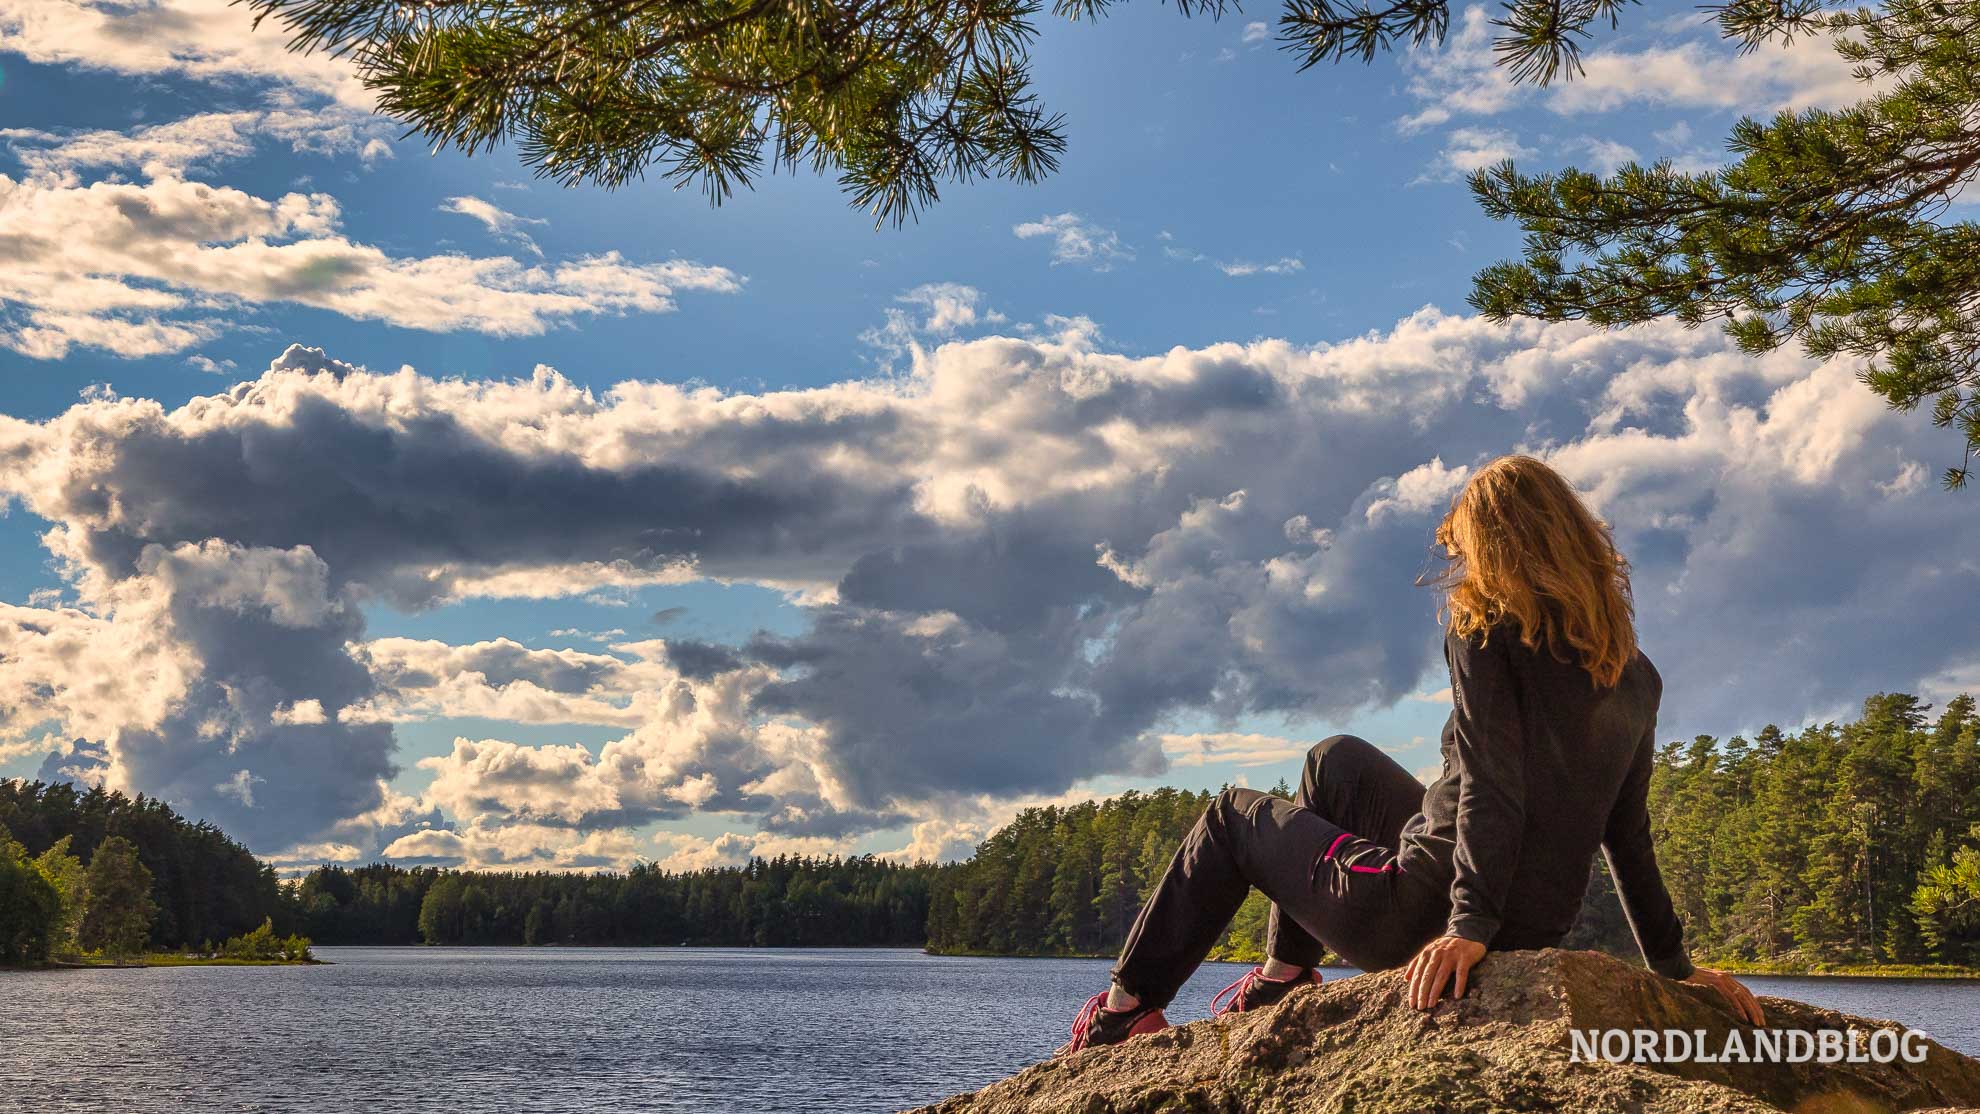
point(397, 1031)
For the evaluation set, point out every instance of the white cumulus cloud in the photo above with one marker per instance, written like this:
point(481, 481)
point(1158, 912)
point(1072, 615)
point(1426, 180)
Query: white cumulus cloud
point(206, 40)
point(142, 269)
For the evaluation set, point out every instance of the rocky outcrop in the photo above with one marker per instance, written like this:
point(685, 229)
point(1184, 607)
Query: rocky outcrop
point(1354, 1047)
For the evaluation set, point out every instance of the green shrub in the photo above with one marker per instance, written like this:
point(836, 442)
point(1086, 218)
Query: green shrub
point(263, 944)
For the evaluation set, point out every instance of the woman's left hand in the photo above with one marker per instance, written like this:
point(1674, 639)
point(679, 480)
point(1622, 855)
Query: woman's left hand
point(1436, 963)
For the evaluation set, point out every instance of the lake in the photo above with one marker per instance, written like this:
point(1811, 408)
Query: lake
point(598, 1030)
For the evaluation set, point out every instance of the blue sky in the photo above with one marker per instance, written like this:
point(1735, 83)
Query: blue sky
point(1115, 480)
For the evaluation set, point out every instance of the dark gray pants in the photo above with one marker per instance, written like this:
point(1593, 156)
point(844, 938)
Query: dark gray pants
point(1326, 859)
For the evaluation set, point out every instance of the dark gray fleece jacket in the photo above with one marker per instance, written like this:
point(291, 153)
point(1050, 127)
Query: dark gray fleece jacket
point(1542, 767)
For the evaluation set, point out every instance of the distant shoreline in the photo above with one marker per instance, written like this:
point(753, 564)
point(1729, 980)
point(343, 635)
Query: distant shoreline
point(1921, 972)
point(1823, 971)
point(164, 960)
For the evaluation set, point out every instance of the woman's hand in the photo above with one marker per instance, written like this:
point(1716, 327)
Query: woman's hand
point(1742, 999)
point(1436, 963)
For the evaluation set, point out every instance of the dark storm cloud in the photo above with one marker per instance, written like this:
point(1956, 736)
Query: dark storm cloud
point(235, 750)
point(947, 707)
point(1010, 576)
point(385, 499)
point(698, 661)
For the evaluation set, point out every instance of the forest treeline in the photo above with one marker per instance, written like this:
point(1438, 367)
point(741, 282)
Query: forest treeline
point(1857, 843)
point(782, 902)
point(1850, 843)
point(204, 887)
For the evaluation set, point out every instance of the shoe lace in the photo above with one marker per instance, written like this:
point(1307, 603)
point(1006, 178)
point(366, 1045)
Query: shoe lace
point(1089, 1014)
point(1236, 991)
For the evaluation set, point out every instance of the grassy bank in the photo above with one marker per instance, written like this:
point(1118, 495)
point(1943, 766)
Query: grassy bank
point(171, 959)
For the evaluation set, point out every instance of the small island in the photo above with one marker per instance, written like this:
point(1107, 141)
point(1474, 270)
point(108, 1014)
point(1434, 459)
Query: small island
point(260, 948)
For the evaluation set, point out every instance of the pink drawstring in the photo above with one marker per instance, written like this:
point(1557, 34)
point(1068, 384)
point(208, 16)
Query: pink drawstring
point(1243, 983)
point(1083, 1024)
point(1386, 868)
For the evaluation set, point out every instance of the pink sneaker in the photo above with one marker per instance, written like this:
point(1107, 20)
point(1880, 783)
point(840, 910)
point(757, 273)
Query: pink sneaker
point(1254, 991)
point(1097, 1025)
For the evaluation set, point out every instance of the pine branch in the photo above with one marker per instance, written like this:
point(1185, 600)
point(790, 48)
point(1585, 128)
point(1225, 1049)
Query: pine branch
point(1830, 229)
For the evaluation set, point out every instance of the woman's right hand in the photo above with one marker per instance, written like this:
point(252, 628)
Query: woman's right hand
point(1742, 999)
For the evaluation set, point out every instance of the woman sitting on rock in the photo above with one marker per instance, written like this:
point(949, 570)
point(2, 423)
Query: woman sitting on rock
point(1546, 758)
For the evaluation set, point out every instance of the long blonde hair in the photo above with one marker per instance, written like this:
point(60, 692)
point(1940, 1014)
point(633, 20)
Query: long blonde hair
point(1523, 549)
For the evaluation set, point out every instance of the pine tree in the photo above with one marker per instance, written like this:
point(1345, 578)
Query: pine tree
point(1689, 788)
point(117, 917)
point(1114, 898)
point(1075, 928)
point(1772, 840)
